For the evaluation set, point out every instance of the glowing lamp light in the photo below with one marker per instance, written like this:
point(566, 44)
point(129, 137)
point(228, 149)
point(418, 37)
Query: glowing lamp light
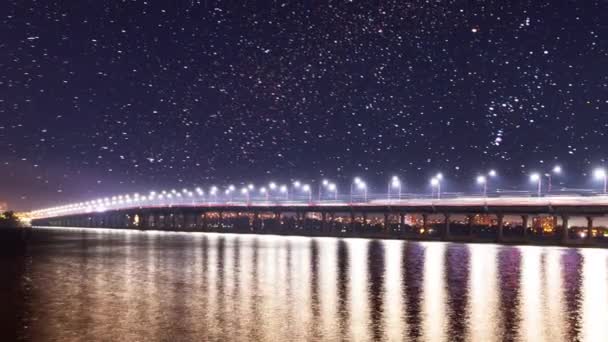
point(481, 180)
point(599, 174)
point(535, 177)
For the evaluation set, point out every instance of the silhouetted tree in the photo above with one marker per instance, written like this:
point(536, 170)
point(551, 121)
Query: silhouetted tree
point(9, 220)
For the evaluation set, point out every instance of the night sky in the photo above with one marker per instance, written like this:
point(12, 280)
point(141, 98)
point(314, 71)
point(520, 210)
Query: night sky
point(105, 97)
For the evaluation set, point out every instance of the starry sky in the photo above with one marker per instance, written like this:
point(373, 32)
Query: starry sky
point(104, 97)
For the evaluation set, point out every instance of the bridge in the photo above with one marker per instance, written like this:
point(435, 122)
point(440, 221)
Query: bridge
point(564, 220)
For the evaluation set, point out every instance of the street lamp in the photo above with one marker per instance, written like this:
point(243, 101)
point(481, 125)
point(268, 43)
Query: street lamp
point(535, 177)
point(436, 183)
point(600, 174)
point(481, 180)
point(492, 173)
point(556, 170)
point(356, 182)
point(306, 188)
point(322, 185)
point(395, 183)
point(245, 192)
point(229, 192)
point(213, 192)
point(363, 187)
point(333, 188)
point(264, 192)
point(284, 190)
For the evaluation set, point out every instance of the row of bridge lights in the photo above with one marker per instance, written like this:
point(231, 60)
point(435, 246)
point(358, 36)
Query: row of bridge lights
point(357, 187)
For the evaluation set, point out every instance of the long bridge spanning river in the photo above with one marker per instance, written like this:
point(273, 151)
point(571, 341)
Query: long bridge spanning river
point(567, 220)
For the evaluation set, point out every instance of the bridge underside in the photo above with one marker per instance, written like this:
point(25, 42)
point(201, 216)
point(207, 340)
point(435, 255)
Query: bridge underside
point(539, 224)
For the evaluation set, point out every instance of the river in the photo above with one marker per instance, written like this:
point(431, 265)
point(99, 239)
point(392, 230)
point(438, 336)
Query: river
point(116, 285)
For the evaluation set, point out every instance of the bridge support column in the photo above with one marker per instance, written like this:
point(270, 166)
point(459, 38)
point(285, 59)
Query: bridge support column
point(524, 224)
point(205, 221)
point(352, 222)
point(565, 233)
point(402, 223)
point(197, 221)
point(589, 229)
point(278, 222)
point(425, 220)
point(332, 224)
point(470, 220)
point(220, 220)
point(446, 228)
point(500, 218)
point(387, 224)
point(143, 221)
point(255, 224)
point(323, 223)
point(364, 226)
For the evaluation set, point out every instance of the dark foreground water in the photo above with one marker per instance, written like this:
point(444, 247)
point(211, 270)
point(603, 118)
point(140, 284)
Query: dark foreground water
point(85, 285)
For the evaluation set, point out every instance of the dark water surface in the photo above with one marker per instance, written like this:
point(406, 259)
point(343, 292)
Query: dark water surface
point(84, 285)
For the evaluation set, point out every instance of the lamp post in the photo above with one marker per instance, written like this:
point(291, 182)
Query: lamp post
point(306, 188)
point(333, 188)
point(322, 185)
point(481, 180)
point(264, 192)
point(600, 174)
point(556, 170)
point(296, 187)
point(436, 183)
point(395, 183)
point(535, 177)
point(363, 187)
point(356, 181)
point(245, 192)
point(212, 193)
point(284, 190)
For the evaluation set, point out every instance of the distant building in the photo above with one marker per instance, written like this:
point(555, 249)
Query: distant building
point(3, 207)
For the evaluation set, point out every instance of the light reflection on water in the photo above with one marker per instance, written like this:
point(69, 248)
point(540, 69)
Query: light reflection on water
point(117, 285)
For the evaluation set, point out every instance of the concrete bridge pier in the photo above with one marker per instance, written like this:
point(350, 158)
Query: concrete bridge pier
point(470, 220)
point(278, 222)
point(565, 233)
point(524, 224)
point(446, 229)
point(500, 218)
point(324, 229)
point(220, 220)
point(387, 224)
point(425, 221)
point(589, 236)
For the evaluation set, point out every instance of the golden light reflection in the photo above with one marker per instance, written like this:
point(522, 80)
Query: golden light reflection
point(155, 286)
point(553, 296)
point(484, 299)
point(394, 322)
point(359, 304)
point(595, 295)
point(434, 293)
point(530, 295)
